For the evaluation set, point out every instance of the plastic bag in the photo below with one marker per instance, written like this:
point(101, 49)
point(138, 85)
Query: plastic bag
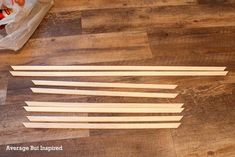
point(22, 22)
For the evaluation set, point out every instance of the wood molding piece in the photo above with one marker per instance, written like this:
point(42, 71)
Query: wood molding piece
point(103, 93)
point(102, 110)
point(104, 119)
point(102, 84)
point(102, 125)
point(123, 68)
point(119, 73)
point(104, 105)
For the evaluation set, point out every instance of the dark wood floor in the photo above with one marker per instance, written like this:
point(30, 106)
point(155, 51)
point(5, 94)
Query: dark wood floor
point(130, 32)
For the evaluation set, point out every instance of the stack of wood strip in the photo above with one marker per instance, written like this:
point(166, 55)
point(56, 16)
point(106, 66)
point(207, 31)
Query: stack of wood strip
point(107, 122)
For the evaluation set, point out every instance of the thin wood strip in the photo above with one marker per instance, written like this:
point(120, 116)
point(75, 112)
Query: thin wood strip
point(118, 73)
point(101, 84)
point(104, 105)
point(123, 68)
point(103, 110)
point(103, 93)
point(104, 119)
point(102, 125)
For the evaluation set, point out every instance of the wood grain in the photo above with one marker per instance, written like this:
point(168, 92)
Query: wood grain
point(57, 24)
point(81, 49)
point(3, 90)
point(140, 139)
point(217, 131)
point(146, 18)
point(102, 4)
point(84, 5)
point(212, 45)
point(13, 131)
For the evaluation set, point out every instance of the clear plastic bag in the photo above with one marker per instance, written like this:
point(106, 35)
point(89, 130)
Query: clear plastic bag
point(23, 21)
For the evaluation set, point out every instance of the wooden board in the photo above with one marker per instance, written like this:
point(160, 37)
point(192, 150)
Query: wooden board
point(104, 119)
point(146, 18)
point(54, 24)
point(103, 125)
point(84, 5)
point(104, 105)
point(102, 84)
point(102, 4)
point(94, 49)
point(118, 68)
point(103, 93)
point(102, 110)
point(129, 73)
point(211, 45)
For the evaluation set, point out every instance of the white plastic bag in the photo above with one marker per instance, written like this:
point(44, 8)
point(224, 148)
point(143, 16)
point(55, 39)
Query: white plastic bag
point(23, 21)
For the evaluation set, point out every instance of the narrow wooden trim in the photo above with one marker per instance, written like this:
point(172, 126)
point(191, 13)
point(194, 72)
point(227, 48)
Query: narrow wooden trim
point(103, 93)
point(123, 68)
point(118, 73)
point(104, 105)
point(103, 110)
point(102, 84)
point(102, 125)
point(104, 119)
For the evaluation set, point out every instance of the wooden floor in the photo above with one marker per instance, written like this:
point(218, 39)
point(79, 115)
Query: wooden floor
point(130, 32)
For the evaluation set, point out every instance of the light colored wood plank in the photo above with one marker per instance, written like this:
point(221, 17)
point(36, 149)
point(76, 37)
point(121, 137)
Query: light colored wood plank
point(104, 105)
point(123, 68)
point(102, 125)
point(103, 93)
point(102, 84)
point(104, 119)
point(126, 73)
point(103, 110)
